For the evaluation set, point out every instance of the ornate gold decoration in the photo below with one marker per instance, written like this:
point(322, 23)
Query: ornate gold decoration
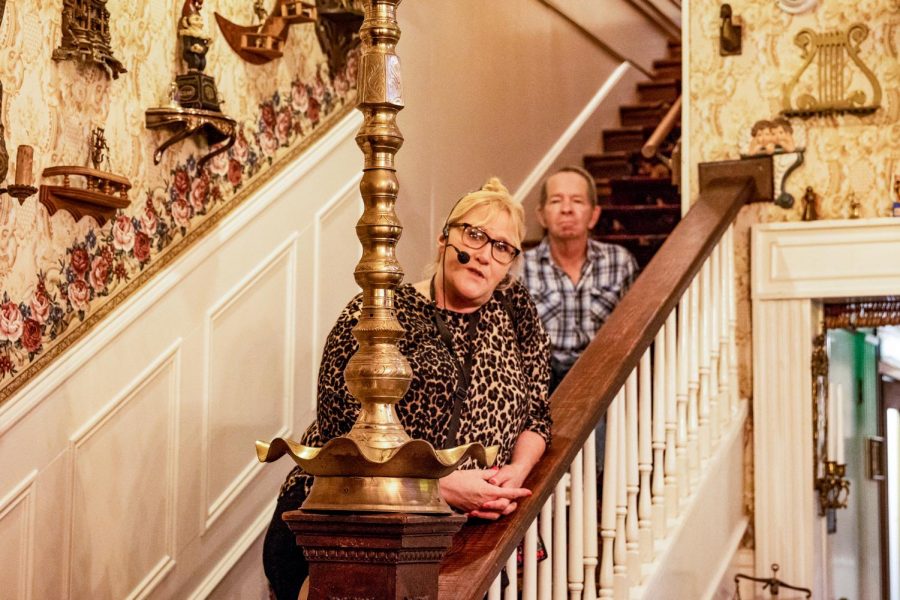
point(773, 584)
point(338, 29)
point(832, 89)
point(377, 467)
point(831, 485)
point(85, 36)
point(194, 105)
point(882, 312)
point(259, 44)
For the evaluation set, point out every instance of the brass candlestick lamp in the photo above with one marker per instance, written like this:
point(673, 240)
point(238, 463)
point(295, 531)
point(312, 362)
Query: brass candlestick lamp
point(832, 487)
point(377, 467)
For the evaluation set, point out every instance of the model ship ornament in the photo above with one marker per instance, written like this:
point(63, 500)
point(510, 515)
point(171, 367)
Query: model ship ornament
point(193, 105)
point(264, 42)
point(103, 192)
point(85, 36)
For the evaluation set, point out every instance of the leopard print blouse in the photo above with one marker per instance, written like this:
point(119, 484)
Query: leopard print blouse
point(510, 375)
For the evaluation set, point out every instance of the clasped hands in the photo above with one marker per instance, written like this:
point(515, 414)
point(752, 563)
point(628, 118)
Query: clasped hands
point(485, 493)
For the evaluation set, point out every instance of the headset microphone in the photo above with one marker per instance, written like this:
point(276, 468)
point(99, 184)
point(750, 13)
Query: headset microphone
point(461, 255)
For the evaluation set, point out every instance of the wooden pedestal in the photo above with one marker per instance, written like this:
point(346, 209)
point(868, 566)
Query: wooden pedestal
point(373, 556)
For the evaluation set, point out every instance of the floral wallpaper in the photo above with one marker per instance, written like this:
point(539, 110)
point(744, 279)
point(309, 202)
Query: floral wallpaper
point(59, 277)
point(844, 155)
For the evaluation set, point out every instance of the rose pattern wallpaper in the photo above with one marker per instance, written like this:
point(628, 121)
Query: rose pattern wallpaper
point(844, 155)
point(60, 277)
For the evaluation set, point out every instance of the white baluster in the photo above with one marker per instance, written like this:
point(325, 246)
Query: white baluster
point(645, 458)
point(512, 588)
point(529, 563)
point(658, 412)
point(545, 567)
point(590, 517)
point(494, 593)
point(714, 316)
point(560, 549)
point(634, 520)
point(671, 463)
point(723, 310)
point(608, 501)
point(732, 326)
point(703, 406)
point(576, 529)
point(620, 549)
point(694, 384)
point(681, 393)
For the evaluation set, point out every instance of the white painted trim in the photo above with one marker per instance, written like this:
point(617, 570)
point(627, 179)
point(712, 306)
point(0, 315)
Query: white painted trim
point(734, 542)
point(134, 307)
point(23, 494)
point(285, 252)
point(687, 105)
point(224, 566)
point(537, 174)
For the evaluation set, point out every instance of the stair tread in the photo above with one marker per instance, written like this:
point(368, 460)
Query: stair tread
point(627, 237)
point(667, 62)
point(659, 82)
point(612, 208)
point(623, 154)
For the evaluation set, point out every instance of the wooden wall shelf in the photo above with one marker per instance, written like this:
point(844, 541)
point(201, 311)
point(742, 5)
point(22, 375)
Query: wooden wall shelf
point(103, 194)
point(259, 44)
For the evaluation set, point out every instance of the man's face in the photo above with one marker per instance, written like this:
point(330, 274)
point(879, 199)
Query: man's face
point(568, 214)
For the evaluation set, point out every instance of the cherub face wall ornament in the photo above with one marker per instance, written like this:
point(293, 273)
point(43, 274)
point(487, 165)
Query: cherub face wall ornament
point(784, 140)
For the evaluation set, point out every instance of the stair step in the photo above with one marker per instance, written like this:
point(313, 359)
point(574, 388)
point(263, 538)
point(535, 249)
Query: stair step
point(642, 113)
point(629, 139)
point(674, 48)
point(642, 246)
point(638, 219)
point(667, 68)
point(643, 190)
point(608, 164)
point(664, 63)
point(660, 89)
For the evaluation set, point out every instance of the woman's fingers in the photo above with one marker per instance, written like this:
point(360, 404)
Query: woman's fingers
point(484, 514)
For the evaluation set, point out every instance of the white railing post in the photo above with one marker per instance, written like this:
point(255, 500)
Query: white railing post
point(703, 342)
point(722, 340)
point(560, 549)
point(671, 463)
point(512, 587)
point(635, 519)
point(545, 567)
point(712, 310)
point(590, 517)
point(607, 501)
point(576, 529)
point(645, 458)
point(621, 488)
point(732, 325)
point(657, 397)
point(694, 384)
point(681, 440)
point(495, 591)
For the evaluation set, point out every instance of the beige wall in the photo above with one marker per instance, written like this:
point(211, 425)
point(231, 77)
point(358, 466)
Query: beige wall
point(844, 154)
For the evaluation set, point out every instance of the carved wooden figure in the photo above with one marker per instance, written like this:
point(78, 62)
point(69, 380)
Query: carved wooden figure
point(85, 36)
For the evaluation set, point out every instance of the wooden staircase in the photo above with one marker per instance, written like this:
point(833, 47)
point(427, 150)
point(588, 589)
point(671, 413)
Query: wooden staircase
point(640, 203)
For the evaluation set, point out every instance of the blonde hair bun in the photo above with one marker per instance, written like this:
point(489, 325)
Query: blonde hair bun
point(495, 185)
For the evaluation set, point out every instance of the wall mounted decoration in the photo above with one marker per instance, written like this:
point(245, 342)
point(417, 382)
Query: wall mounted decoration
point(730, 41)
point(22, 187)
point(194, 103)
point(810, 205)
point(839, 83)
point(259, 44)
point(338, 29)
point(895, 195)
point(796, 7)
point(785, 142)
point(85, 36)
point(103, 194)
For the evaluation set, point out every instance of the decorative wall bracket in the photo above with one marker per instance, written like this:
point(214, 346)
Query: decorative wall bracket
point(103, 194)
point(188, 122)
point(259, 44)
point(831, 87)
point(85, 36)
point(338, 29)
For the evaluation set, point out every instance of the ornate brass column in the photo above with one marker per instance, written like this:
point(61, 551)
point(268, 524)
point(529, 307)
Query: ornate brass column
point(377, 467)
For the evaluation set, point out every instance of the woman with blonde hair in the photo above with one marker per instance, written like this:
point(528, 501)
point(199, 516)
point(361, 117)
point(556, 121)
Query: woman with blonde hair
point(479, 357)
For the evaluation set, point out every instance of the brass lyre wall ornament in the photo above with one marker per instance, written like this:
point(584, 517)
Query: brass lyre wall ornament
point(377, 467)
point(830, 87)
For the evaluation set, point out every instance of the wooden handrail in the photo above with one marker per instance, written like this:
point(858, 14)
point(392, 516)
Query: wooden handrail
point(662, 131)
point(481, 548)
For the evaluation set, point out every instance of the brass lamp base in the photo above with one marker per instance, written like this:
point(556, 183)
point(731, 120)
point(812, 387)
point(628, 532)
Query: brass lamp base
point(376, 494)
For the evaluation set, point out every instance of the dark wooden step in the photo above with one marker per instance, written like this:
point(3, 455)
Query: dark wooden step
point(629, 139)
point(665, 63)
point(638, 219)
point(643, 247)
point(674, 48)
point(642, 113)
point(666, 90)
point(643, 190)
point(608, 164)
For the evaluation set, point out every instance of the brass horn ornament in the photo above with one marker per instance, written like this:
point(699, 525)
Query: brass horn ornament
point(377, 466)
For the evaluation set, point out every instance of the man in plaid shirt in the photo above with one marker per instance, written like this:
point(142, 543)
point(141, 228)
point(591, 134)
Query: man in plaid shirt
point(576, 282)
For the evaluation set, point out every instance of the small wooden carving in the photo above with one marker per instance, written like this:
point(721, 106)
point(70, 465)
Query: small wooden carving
point(194, 106)
point(85, 36)
point(102, 195)
point(338, 29)
point(830, 87)
point(259, 44)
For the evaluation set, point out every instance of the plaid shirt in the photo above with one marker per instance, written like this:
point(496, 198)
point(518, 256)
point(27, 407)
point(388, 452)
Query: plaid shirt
point(571, 313)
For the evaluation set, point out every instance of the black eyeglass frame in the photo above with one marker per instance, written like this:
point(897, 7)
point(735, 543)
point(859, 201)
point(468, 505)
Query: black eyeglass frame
point(488, 239)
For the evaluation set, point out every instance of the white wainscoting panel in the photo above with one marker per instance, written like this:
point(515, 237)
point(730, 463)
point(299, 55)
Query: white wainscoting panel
point(122, 488)
point(249, 365)
point(17, 540)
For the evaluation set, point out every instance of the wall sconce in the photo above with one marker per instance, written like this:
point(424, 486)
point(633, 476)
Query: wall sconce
point(729, 32)
point(22, 188)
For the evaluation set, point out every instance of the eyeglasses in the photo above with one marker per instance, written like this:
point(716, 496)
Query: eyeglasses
point(475, 238)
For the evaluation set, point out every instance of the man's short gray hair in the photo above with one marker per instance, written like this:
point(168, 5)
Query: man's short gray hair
point(588, 178)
